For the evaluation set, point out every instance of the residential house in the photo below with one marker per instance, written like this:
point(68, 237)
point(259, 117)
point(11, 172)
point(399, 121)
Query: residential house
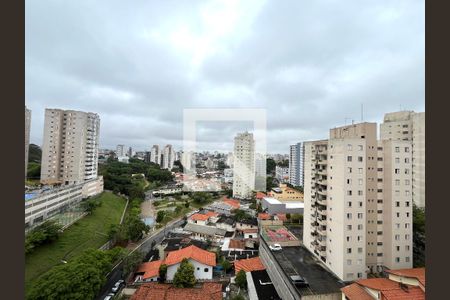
point(155, 291)
point(204, 232)
point(148, 271)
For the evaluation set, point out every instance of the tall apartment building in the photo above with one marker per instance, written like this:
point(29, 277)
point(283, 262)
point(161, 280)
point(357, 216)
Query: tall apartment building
point(282, 174)
point(155, 155)
point(296, 164)
point(27, 136)
point(244, 165)
point(120, 150)
point(409, 126)
point(70, 146)
point(130, 152)
point(168, 157)
point(358, 202)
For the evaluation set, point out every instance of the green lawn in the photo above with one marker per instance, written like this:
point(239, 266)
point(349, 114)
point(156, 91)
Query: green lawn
point(88, 232)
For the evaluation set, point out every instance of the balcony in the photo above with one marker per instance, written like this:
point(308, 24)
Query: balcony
point(322, 192)
point(322, 201)
point(314, 223)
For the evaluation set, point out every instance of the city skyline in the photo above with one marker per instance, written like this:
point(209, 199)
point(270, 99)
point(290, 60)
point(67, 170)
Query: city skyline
point(317, 68)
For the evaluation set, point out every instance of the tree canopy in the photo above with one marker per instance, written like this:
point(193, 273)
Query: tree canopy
point(184, 277)
point(80, 278)
point(241, 279)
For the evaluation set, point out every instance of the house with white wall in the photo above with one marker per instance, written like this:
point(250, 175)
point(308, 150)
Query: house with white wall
point(202, 260)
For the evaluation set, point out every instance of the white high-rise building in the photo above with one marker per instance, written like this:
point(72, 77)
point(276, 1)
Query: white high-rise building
point(358, 201)
point(155, 155)
point(244, 165)
point(282, 174)
point(409, 126)
point(70, 146)
point(168, 157)
point(27, 136)
point(120, 150)
point(296, 161)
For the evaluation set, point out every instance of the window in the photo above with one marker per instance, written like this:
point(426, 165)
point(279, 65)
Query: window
point(349, 204)
point(360, 203)
point(349, 181)
point(206, 269)
point(359, 238)
point(407, 248)
point(198, 269)
point(359, 262)
point(359, 275)
point(407, 259)
point(349, 158)
point(407, 182)
point(360, 227)
point(349, 275)
point(360, 181)
point(397, 225)
point(407, 160)
point(349, 216)
point(397, 237)
point(406, 149)
point(349, 193)
point(349, 250)
point(349, 147)
point(397, 259)
point(397, 181)
point(397, 160)
point(360, 215)
point(380, 254)
point(349, 262)
point(397, 203)
point(360, 170)
point(360, 158)
point(397, 171)
point(349, 227)
point(360, 147)
point(360, 250)
point(398, 248)
point(397, 149)
point(406, 171)
point(406, 236)
point(349, 238)
point(349, 169)
point(407, 203)
point(360, 193)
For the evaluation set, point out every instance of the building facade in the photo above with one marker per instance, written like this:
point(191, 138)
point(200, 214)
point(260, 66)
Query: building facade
point(168, 157)
point(244, 165)
point(120, 150)
point(27, 136)
point(70, 146)
point(155, 155)
point(282, 174)
point(358, 202)
point(296, 162)
point(409, 126)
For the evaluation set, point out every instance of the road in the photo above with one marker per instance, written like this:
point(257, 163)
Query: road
point(145, 247)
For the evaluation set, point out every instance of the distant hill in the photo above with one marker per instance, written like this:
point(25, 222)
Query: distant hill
point(34, 153)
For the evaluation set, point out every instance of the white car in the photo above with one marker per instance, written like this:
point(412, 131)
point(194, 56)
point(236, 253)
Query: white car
point(275, 247)
point(109, 296)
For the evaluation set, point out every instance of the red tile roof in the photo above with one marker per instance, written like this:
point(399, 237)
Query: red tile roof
point(237, 244)
point(150, 269)
point(260, 195)
point(211, 214)
point(418, 273)
point(263, 216)
point(193, 252)
point(199, 217)
point(355, 292)
point(234, 203)
point(249, 265)
point(412, 293)
point(158, 291)
point(389, 289)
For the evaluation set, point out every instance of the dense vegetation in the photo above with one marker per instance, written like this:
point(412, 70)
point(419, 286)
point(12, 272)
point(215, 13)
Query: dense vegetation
point(418, 237)
point(241, 279)
point(284, 163)
point(270, 166)
point(118, 176)
point(80, 278)
point(42, 234)
point(133, 228)
point(89, 232)
point(34, 153)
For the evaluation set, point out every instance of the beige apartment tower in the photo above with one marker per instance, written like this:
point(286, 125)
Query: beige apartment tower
point(70, 146)
point(155, 155)
point(409, 126)
point(168, 157)
point(244, 165)
point(352, 201)
point(27, 136)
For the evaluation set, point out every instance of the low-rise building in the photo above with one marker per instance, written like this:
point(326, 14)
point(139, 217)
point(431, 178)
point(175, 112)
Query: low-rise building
point(202, 260)
point(204, 232)
point(401, 284)
point(284, 193)
point(226, 223)
point(148, 272)
point(274, 206)
point(247, 224)
point(249, 265)
point(282, 174)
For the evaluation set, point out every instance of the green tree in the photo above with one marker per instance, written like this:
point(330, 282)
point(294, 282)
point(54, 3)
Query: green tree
point(226, 265)
point(297, 218)
point(288, 216)
point(160, 216)
point(201, 197)
point(132, 261)
point(134, 228)
point(241, 279)
point(240, 215)
point(186, 204)
point(270, 166)
point(269, 183)
point(418, 237)
point(238, 297)
point(162, 272)
point(178, 209)
point(80, 278)
point(184, 277)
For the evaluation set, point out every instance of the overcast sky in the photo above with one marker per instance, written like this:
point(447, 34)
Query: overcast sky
point(138, 64)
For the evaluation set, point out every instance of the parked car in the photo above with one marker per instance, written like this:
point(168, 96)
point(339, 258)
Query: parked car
point(275, 247)
point(299, 281)
point(109, 296)
point(118, 285)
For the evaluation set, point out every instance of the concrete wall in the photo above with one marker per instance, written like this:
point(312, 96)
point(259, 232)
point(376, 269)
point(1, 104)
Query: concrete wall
point(199, 270)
